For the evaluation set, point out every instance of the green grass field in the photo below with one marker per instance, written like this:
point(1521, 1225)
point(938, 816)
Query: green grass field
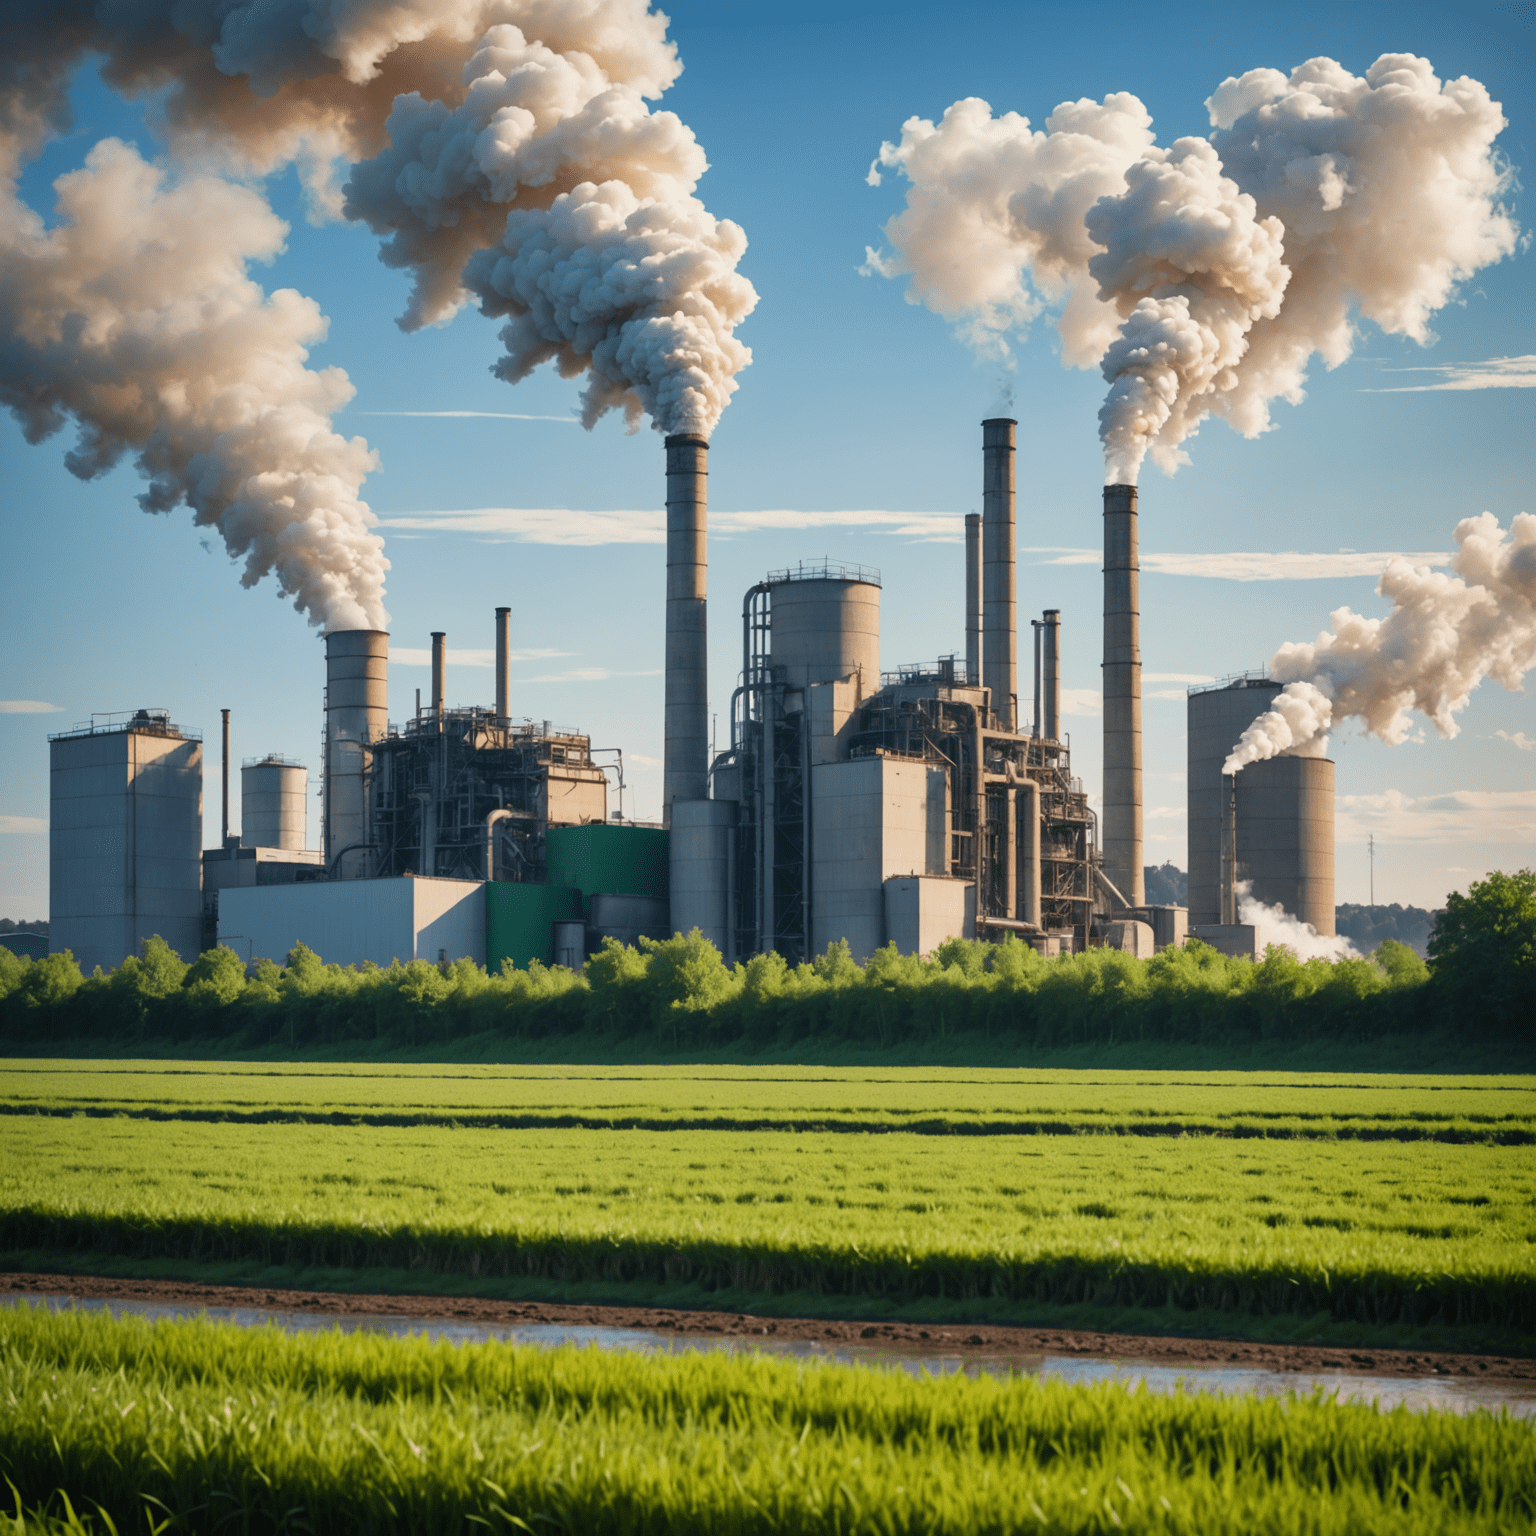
point(193, 1426)
point(1369, 1207)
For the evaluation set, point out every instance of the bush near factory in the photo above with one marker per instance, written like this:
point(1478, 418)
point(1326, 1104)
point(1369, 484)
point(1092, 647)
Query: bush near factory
point(680, 995)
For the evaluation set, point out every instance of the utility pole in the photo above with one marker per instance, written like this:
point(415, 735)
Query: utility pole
point(1371, 844)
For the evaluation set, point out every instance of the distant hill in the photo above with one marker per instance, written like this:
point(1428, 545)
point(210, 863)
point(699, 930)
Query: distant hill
point(1369, 926)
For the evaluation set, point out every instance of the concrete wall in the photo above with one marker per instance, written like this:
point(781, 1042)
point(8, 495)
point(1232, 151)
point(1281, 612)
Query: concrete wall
point(347, 922)
point(872, 818)
point(922, 911)
point(124, 844)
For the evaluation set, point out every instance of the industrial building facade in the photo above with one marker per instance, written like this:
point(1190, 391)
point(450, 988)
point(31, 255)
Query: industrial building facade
point(852, 803)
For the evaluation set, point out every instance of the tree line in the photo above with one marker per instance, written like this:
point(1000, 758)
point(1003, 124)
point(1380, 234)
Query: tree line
point(1480, 981)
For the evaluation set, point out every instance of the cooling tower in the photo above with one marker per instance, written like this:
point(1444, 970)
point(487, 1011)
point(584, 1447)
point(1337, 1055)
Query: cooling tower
point(685, 766)
point(1122, 837)
point(356, 716)
point(999, 620)
point(1285, 834)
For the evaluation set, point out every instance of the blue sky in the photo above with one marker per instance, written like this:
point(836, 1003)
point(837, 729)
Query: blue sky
point(855, 402)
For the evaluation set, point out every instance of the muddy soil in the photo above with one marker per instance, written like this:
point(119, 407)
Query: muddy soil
point(978, 1340)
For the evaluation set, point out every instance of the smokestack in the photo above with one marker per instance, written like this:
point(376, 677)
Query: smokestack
point(503, 664)
point(1037, 625)
point(224, 834)
point(999, 644)
point(439, 671)
point(356, 716)
point(1052, 667)
point(1122, 697)
point(973, 598)
point(685, 768)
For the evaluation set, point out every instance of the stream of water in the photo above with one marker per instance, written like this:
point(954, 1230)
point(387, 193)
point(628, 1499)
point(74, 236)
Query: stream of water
point(1450, 1394)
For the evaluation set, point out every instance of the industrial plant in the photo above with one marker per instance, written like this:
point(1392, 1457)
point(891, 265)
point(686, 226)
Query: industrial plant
point(853, 803)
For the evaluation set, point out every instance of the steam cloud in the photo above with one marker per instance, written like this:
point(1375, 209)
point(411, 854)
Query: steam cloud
point(1444, 635)
point(504, 149)
point(1272, 924)
point(1202, 278)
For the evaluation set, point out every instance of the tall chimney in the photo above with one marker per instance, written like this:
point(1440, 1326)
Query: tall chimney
point(973, 598)
point(439, 673)
point(356, 716)
point(224, 835)
point(1037, 625)
point(999, 641)
point(685, 766)
point(1122, 697)
point(1052, 669)
point(503, 664)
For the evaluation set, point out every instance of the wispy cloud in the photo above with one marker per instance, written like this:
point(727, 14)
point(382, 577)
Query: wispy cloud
point(421, 656)
point(1495, 373)
point(556, 525)
point(1177, 677)
point(1517, 739)
point(1256, 565)
point(1082, 701)
point(22, 824)
point(1504, 817)
point(28, 707)
point(585, 675)
point(570, 421)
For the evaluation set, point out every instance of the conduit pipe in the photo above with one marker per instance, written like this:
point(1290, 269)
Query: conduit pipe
point(973, 618)
point(439, 673)
point(490, 830)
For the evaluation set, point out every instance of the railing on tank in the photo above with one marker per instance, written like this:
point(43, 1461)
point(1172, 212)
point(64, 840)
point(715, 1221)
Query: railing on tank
point(825, 570)
point(946, 672)
point(151, 722)
point(1232, 680)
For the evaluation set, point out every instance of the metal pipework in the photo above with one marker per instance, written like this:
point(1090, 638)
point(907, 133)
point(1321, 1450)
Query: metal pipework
point(1051, 625)
point(503, 666)
point(1030, 790)
point(490, 829)
point(439, 673)
point(1122, 697)
point(1010, 851)
point(973, 598)
point(685, 754)
point(224, 834)
point(999, 640)
point(356, 716)
point(1229, 850)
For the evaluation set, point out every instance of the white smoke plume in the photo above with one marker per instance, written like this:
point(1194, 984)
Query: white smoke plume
point(135, 316)
point(1444, 635)
point(555, 196)
point(1203, 278)
point(1272, 924)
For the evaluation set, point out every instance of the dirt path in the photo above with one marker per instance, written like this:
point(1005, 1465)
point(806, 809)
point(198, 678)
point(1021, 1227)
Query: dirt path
point(981, 1339)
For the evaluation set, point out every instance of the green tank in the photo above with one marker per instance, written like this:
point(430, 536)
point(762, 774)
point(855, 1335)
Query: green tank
point(519, 921)
point(603, 859)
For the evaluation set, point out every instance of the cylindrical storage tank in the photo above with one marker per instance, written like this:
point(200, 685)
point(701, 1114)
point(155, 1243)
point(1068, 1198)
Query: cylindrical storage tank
point(356, 716)
point(1216, 718)
point(627, 918)
point(826, 628)
point(273, 795)
point(1285, 836)
point(701, 869)
point(569, 937)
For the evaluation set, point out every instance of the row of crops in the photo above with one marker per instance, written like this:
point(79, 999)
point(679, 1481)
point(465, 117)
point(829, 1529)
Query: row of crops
point(1319, 1224)
point(197, 1427)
